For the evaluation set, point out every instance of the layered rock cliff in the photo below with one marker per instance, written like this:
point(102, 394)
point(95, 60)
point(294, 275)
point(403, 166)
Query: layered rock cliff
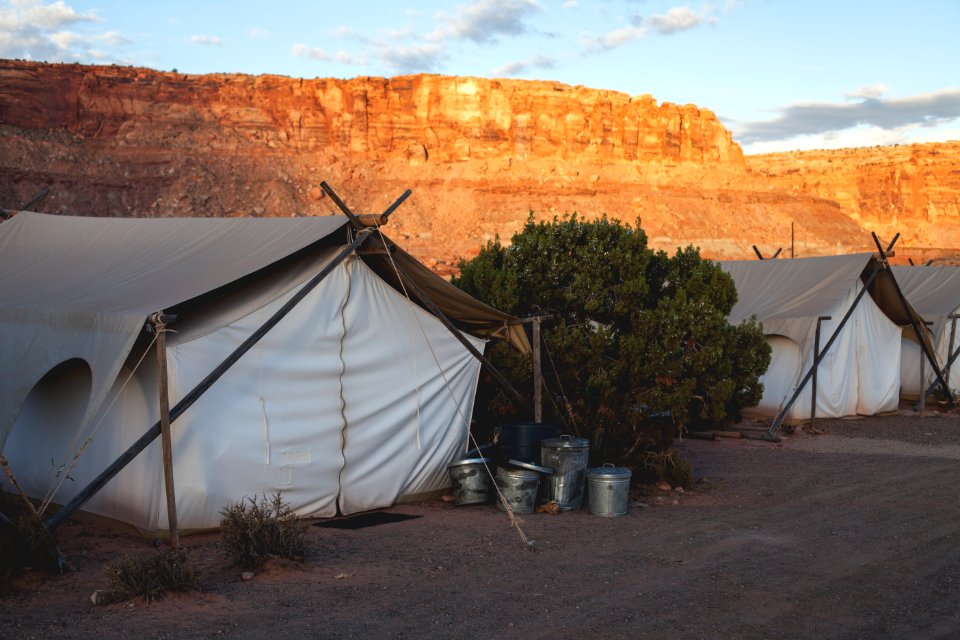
point(479, 155)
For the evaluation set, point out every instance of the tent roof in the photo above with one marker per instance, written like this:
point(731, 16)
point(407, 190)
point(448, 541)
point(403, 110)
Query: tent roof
point(81, 288)
point(138, 265)
point(797, 288)
point(933, 291)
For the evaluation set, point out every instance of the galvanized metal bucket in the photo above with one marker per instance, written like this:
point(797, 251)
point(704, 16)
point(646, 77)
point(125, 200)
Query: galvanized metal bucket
point(607, 490)
point(568, 456)
point(519, 488)
point(471, 481)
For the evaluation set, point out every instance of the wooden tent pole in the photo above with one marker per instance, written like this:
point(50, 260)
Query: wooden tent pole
point(159, 321)
point(772, 432)
point(913, 320)
point(107, 474)
point(435, 310)
point(816, 354)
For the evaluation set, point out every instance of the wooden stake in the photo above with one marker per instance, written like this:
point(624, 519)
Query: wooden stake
point(537, 375)
point(923, 384)
point(159, 325)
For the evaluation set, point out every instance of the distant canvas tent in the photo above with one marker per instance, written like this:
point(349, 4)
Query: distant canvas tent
point(354, 400)
point(935, 293)
point(800, 303)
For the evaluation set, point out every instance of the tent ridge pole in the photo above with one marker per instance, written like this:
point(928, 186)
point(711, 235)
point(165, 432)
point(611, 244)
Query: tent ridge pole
point(194, 394)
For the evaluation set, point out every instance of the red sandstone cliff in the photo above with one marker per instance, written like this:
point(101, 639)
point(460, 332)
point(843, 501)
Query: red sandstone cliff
point(479, 155)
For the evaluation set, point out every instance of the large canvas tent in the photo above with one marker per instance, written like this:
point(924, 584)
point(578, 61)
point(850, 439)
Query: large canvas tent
point(860, 373)
point(934, 291)
point(355, 400)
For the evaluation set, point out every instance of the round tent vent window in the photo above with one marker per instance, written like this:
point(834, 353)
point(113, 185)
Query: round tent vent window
point(49, 418)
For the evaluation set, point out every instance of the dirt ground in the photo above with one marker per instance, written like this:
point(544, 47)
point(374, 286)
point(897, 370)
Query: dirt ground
point(854, 533)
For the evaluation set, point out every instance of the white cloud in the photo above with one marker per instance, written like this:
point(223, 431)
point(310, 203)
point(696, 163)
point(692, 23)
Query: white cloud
point(516, 68)
point(674, 20)
point(823, 118)
point(483, 20)
point(36, 30)
point(417, 58)
point(615, 38)
point(33, 14)
point(303, 51)
point(255, 33)
point(570, 4)
point(207, 40)
point(681, 19)
point(865, 136)
point(869, 91)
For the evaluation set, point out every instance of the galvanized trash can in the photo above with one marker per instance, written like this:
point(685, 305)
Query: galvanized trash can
point(519, 488)
point(471, 481)
point(568, 456)
point(607, 490)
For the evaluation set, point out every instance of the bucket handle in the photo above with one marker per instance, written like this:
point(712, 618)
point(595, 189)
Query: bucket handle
point(566, 436)
point(609, 464)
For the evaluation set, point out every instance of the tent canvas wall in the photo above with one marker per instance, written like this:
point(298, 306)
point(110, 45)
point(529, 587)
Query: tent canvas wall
point(861, 372)
point(354, 400)
point(934, 292)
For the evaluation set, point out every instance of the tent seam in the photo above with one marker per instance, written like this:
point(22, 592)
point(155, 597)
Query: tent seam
point(343, 367)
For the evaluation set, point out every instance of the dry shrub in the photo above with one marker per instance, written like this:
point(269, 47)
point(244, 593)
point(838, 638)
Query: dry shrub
point(257, 529)
point(150, 576)
point(666, 467)
point(27, 543)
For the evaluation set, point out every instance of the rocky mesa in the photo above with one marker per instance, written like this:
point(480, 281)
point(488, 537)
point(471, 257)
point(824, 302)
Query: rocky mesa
point(479, 154)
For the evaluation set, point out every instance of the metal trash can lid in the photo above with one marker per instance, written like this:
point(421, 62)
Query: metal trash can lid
point(609, 472)
point(565, 442)
point(466, 461)
point(530, 466)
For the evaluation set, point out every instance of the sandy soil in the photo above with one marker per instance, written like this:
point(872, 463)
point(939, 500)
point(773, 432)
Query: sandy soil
point(851, 534)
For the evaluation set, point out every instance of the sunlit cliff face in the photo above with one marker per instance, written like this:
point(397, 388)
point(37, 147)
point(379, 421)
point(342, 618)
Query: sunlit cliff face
point(479, 155)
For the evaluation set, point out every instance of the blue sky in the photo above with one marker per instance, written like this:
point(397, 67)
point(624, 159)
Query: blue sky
point(781, 74)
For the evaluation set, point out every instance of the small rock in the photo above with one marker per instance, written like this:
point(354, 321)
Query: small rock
point(678, 489)
point(447, 498)
point(315, 193)
point(675, 502)
point(642, 505)
point(247, 576)
point(100, 596)
point(664, 486)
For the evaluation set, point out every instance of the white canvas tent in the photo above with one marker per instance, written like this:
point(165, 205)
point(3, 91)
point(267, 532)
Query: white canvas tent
point(860, 374)
point(934, 292)
point(355, 400)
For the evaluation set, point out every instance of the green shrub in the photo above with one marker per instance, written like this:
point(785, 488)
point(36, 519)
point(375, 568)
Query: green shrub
point(639, 339)
point(257, 529)
point(150, 576)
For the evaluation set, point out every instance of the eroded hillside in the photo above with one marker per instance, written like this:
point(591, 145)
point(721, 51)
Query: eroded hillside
point(479, 154)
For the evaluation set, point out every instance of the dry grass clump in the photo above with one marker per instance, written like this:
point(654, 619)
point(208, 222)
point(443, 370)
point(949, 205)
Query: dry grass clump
point(27, 543)
point(150, 576)
point(255, 530)
point(666, 467)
